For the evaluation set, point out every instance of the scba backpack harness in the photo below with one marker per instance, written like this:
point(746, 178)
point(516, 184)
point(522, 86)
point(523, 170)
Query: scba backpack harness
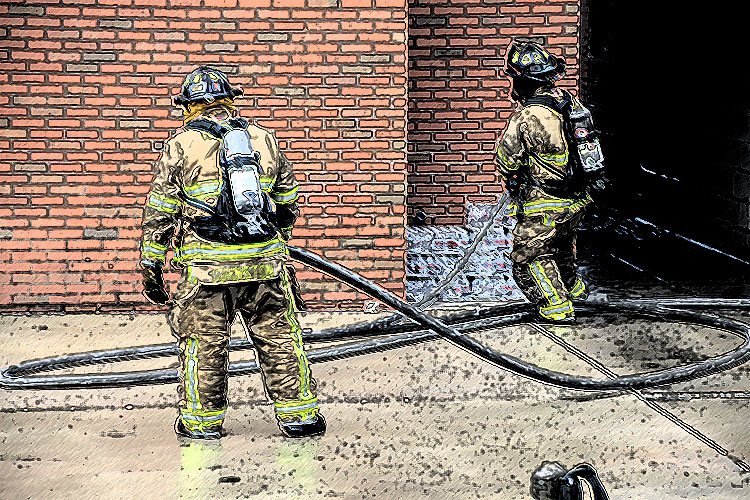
point(586, 164)
point(243, 211)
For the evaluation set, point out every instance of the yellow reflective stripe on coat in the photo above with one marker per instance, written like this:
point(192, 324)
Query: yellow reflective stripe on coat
point(266, 184)
point(559, 160)
point(163, 203)
point(153, 250)
point(285, 197)
point(203, 189)
point(219, 252)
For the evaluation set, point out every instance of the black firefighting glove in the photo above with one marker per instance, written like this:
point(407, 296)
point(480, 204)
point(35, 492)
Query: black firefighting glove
point(286, 233)
point(284, 217)
point(598, 184)
point(513, 185)
point(284, 220)
point(153, 284)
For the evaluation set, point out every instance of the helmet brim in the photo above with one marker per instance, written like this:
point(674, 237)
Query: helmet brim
point(550, 75)
point(182, 101)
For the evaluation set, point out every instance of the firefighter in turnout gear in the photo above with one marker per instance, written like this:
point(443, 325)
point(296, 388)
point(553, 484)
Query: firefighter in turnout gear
point(543, 171)
point(226, 198)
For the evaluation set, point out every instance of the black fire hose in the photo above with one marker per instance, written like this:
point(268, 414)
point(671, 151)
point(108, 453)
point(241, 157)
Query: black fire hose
point(15, 377)
point(638, 381)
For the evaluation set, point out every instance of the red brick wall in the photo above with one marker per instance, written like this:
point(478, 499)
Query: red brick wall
point(458, 97)
point(85, 105)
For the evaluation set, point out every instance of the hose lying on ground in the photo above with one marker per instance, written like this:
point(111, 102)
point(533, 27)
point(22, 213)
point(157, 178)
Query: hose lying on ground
point(638, 381)
point(16, 377)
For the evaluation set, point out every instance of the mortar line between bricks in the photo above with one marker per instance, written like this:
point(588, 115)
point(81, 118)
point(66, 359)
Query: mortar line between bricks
point(745, 468)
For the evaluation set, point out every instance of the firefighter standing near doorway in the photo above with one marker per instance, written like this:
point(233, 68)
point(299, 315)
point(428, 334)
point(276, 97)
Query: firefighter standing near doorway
point(227, 197)
point(550, 159)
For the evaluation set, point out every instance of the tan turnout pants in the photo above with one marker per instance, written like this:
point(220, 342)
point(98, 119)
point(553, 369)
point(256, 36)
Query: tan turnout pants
point(544, 262)
point(200, 318)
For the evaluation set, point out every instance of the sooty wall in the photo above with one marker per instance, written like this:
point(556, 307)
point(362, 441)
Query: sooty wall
point(669, 84)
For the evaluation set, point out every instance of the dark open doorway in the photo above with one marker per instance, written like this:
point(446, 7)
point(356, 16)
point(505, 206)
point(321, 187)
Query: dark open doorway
point(669, 85)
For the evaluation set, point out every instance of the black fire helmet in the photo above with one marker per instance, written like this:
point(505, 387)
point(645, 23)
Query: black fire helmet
point(530, 61)
point(206, 85)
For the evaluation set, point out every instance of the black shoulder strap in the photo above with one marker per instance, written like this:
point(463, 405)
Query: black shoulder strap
point(208, 126)
point(213, 128)
point(561, 106)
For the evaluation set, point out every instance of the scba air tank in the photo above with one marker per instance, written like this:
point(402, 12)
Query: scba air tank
point(244, 171)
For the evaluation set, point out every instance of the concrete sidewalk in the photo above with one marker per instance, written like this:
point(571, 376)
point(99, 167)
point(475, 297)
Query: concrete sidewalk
point(426, 421)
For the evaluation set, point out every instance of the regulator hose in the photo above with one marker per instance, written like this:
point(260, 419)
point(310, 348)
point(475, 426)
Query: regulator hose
point(16, 377)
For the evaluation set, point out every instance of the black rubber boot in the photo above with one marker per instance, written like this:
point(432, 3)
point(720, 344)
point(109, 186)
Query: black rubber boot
point(580, 298)
point(565, 321)
point(297, 429)
point(569, 320)
point(181, 430)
